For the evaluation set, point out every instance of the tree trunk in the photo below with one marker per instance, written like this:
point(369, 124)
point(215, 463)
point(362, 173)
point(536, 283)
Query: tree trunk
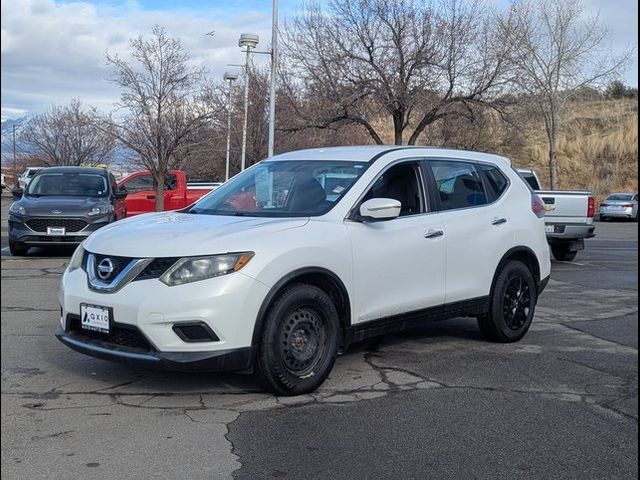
point(397, 128)
point(553, 167)
point(160, 179)
point(551, 124)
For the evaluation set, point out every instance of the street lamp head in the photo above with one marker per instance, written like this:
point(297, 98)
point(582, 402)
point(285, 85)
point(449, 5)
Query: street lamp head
point(230, 76)
point(249, 40)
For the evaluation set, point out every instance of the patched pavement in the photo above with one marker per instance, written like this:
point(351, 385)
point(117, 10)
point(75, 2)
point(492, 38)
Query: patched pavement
point(436, 402)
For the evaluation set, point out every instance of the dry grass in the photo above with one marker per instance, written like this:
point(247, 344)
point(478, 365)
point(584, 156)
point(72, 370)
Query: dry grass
point(597, 148)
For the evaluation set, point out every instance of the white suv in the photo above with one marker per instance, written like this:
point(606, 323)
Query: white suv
point(274, 272)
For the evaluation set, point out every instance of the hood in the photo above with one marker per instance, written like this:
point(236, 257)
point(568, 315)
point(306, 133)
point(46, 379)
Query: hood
point(62, 206)
point(171, 234)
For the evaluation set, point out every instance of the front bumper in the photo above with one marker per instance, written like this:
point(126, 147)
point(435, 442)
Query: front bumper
point(209, 361)
point(21, 233)
point(228, 305)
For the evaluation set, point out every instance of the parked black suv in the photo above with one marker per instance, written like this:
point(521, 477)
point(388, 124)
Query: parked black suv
point(62, 206)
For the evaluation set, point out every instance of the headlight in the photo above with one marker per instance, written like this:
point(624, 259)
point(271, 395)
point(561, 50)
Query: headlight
point(76, 259)
point(17, 209)
point(101, 210)
point(193, 269)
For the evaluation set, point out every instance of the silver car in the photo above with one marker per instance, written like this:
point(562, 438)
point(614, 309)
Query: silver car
point(619, 205)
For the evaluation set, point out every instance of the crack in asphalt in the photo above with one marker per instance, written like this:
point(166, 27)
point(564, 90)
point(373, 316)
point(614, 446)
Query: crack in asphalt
point(385, 385)
point(620, 344)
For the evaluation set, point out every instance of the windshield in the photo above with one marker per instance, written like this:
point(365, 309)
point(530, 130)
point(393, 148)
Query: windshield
point(68, 184)
point(620, 197)
point(283, 189)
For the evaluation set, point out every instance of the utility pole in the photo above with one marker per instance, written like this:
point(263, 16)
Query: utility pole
point(230, 77)
point(15, 159)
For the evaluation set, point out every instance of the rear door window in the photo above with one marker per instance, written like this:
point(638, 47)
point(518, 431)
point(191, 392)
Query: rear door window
point(459, 184)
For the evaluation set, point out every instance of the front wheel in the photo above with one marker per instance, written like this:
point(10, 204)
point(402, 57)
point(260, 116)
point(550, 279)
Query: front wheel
point(562, 253)
point(513, 301)
point(299, 341)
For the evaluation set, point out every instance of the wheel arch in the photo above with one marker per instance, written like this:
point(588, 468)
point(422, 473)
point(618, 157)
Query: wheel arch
point(522, 254)
point(320, 277)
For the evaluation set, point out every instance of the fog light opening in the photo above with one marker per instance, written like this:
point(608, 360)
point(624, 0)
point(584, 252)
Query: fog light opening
point(195, 332)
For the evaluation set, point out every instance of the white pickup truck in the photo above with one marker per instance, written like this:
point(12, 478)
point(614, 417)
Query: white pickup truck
point(568, 217)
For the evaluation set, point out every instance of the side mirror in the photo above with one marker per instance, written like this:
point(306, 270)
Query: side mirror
point(17, 193)
point(120, 193)
point(377, 209)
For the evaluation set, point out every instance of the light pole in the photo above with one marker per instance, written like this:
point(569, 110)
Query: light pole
point(248, 41)
point(230, 77)
point(272, 87)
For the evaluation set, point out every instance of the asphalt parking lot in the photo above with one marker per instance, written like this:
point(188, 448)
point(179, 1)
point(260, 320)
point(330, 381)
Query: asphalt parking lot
point(437, 402)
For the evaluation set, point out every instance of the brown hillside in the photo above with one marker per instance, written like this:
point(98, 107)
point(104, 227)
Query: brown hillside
point(597, 148)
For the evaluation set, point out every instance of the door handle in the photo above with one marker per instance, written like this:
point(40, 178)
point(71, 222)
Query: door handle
point(434, 233)
point(499, 221)
point(151, 197)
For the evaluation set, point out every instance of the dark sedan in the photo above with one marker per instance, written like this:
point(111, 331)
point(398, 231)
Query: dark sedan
point(63, 206)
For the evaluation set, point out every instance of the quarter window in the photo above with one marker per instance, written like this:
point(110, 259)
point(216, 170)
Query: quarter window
point(459, 184)
point(495, 181)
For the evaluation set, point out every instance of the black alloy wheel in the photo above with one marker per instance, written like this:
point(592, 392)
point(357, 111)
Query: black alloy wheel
point(512, 304)
point(517, 303)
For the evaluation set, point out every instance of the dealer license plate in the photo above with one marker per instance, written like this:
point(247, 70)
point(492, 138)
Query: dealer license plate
point(55, 231)
point(95, 318)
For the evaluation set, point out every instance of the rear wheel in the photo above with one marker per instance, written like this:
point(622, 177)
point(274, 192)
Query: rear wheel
point(562, 253)
point(18, 249)
point(299, 341)
point(513, 302)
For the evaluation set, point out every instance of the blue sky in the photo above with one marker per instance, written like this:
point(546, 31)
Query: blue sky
point(53, 50)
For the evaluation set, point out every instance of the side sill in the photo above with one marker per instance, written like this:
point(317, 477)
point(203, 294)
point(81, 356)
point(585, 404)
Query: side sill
point(397, 323)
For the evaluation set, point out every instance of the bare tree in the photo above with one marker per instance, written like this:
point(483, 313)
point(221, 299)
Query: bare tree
point(409, 61)
point(556, 52)
point(162, 96)
point(68, 135)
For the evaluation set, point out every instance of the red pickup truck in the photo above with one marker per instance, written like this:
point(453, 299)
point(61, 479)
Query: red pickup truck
point(141, 191)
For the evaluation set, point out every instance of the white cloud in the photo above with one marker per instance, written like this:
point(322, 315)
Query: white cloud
point(52, 52)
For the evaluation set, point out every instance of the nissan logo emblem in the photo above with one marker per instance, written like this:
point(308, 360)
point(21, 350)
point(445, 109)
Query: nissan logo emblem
point(105, 269)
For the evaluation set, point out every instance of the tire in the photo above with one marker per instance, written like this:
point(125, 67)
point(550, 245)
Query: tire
point(18, 249)
point(299, 341)
point(512, 305)
point(604, 219)
point(562, 253)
